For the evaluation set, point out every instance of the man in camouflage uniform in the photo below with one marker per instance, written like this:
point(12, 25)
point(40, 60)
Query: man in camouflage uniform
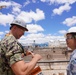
point(71, 43)
point(11, 51)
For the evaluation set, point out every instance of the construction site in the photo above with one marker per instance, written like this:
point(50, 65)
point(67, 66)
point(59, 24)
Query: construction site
point(54, 59)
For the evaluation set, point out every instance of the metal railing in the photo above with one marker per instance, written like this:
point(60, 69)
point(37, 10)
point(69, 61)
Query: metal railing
point(59, 61)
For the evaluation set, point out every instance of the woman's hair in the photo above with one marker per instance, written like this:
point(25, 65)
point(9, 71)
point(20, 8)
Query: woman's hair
point(74, 35)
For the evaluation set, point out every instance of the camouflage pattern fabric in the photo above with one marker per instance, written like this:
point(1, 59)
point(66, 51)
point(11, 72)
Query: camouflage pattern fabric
point(11, 50)
point(71, 69)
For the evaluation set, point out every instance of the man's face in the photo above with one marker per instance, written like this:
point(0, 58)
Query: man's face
point(71, 41)
point(19, 32)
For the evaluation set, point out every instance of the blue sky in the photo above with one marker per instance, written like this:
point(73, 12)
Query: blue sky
point(47, 20)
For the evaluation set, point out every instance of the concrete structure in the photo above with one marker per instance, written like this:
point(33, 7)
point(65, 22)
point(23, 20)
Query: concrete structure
point(54, 61)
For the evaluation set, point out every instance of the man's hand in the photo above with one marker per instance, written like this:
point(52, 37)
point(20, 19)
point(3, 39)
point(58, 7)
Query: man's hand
point(36, 56)
point(27, 53)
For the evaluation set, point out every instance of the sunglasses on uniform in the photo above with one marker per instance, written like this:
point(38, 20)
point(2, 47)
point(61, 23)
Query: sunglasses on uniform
point(71, 37)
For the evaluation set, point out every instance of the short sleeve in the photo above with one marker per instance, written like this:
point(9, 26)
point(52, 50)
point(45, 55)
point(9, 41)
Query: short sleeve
point(73, 67)
point(11, 49)
point(16, 51)
point(15, 58)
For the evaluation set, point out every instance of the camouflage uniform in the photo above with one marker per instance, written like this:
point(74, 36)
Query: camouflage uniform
point(10, 52)
point(71, 69)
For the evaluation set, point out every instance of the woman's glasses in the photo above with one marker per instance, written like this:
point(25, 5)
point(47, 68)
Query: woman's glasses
point(70, 37)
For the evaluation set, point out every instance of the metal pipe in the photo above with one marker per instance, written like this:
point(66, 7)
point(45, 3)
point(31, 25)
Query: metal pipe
point(53, 61)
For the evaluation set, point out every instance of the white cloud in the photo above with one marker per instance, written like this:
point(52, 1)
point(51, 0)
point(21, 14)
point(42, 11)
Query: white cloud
point(26, 16)
point(29, 16)
point(6, 31)
point(16, 10)
point(70, 21)
point(26, 3)
point(6, 19)
point(61, 9)
point(38, 16)
point(34, 28)
point(1, 33)
point(34, 1)
point(3, 3)
point(31, 37)
point(59, 1)
point(15, 6)
point(40, 38)
point(43, 0)
point(62, 32)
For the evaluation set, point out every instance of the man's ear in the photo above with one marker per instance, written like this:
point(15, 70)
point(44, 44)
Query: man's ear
point(14, 27)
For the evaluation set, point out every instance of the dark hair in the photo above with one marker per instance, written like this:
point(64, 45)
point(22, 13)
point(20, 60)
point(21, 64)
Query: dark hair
point(16, 25)
point(11, 27)
point(74, 35)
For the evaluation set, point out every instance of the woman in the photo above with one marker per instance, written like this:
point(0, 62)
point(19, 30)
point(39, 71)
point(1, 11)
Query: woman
point(71, 43)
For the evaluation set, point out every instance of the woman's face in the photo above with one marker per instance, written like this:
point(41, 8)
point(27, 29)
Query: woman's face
point(71, 41)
